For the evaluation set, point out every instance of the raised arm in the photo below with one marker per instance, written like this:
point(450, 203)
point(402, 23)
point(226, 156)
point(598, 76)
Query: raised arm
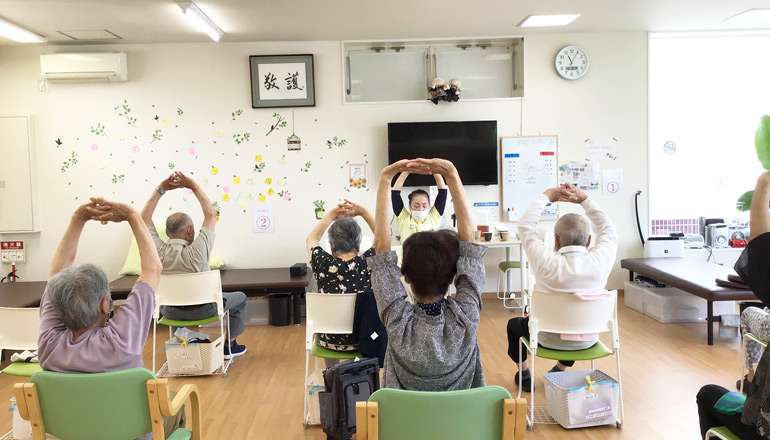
point(606, 233)
point(399, 184)
point(440, 181)
point(440, 203)
point(382, 211)
point(314, 237)
point(68, 246)
point(167, 184)
point(395, 193)
point(447, 169)
point(209, 212)
point(760, 202)
point(150, 262)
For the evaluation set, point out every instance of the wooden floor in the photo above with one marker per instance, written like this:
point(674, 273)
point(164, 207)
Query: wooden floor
point(664, 365)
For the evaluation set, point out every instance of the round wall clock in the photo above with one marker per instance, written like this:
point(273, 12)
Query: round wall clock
point(571, 62)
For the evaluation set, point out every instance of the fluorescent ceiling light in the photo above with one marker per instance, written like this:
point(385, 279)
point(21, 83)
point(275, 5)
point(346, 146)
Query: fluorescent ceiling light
point(549, 20)
point(752, 15)
point(201, 20)
point(15, 33)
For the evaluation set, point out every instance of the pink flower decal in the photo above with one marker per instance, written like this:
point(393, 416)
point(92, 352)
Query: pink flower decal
point(135, 148)
point(191, 150)
point(94, 147)
point(189, 191)
point(226, 188)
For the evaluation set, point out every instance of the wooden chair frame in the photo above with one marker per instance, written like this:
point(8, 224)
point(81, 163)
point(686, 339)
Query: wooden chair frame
point(158, 395)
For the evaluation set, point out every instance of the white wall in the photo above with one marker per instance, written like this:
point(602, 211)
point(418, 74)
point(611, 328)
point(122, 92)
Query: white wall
point(211, 81)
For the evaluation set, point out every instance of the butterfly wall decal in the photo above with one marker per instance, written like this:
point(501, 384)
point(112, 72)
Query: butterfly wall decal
point(58, 142)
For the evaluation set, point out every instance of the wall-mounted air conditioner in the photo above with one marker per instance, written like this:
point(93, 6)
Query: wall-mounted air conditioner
point(84, 67)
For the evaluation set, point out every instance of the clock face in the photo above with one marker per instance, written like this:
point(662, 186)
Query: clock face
point(571, 62)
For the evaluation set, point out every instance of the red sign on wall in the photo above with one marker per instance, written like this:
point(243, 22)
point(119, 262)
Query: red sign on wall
point(11, 245)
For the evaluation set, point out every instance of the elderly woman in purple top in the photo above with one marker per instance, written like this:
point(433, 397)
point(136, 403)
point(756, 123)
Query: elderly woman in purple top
point(77, 334)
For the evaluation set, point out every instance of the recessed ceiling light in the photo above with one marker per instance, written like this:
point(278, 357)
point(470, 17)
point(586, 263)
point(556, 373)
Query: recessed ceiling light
point(15, 33)
point(549, 20)
point(752, 15)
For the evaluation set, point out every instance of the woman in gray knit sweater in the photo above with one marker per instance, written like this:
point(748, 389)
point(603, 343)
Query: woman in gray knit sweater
point(432, 345)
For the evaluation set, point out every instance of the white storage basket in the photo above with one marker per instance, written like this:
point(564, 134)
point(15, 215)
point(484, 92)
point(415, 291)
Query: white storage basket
point(558, 385)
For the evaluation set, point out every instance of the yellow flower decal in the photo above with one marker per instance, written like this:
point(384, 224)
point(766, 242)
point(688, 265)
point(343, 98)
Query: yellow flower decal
point(269, 180)
point(236, 180)
point(258, 158)
point(214, 170)
point(225, 197)
point(164, 122)
point(219, 133)
point(242, 203)
point(262, 198)
point(270, 191)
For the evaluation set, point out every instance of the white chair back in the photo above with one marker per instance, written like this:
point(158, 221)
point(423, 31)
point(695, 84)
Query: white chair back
point(189, 289)
point(329, 313)
point(19, 328)
point(568, 314)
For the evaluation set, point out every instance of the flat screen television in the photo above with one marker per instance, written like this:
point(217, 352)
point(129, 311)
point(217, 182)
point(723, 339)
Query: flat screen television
point(470, 145)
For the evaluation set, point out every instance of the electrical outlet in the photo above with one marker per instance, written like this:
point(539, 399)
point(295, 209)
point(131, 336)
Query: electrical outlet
point(5, 257)
point(20, 256)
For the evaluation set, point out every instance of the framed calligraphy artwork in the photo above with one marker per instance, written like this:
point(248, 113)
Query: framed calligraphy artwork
point(282, 81)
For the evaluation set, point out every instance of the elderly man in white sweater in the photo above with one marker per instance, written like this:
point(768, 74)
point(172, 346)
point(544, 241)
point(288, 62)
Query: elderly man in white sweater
point(571, 266)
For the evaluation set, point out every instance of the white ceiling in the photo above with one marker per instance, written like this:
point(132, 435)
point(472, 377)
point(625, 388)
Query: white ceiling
point(161, 21)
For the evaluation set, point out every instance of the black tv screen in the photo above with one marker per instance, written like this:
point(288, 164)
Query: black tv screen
point(471, 146)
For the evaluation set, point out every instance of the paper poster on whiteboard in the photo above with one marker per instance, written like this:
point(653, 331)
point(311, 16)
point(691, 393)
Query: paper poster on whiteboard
point(529, 168)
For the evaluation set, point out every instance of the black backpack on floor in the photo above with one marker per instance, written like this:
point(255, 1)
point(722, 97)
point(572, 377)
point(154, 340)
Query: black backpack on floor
point(346, 383)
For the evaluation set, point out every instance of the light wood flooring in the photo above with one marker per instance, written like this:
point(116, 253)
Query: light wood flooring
point(663, 367)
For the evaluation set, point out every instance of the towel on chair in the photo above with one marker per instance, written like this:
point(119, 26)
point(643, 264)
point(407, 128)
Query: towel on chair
point(586, 296)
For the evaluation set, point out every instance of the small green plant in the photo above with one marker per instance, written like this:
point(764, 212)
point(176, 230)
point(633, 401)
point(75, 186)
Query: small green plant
point(762, 145)
point(179, 111)
point(335, 142)
point(118, 178)
point(73, 160)
point(124, 110)
point(236, 113)
point(158, 135)
point(280, 122)
point(306, 168)
point(240, 138)
point(99, 130)
point(171, 166)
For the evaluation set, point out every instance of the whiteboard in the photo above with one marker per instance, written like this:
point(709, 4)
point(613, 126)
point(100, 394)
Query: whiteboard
point(529, 167)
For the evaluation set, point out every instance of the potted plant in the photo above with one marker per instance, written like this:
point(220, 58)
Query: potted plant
point(762, 145)
point(319, 209)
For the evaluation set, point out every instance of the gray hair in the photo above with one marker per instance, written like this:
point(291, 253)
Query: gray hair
point(572, 230)
point(75, 294)
point(344, 235)
point(177, 222)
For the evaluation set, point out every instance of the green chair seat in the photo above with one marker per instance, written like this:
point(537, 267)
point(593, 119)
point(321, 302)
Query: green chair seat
point(180, 434)
point(508, 265)
point(595, 351)
point(175, 323)
point(723, 433)
point(26, 369)
point(325, 353)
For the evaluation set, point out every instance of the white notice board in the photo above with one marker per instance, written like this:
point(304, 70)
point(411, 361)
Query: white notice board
point(530, 166)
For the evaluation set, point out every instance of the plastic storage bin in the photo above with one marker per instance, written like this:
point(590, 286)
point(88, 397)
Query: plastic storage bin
point(257, 311)
point(558, 385)
point(195, 359)
point(633, 296)
point(669, 304)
